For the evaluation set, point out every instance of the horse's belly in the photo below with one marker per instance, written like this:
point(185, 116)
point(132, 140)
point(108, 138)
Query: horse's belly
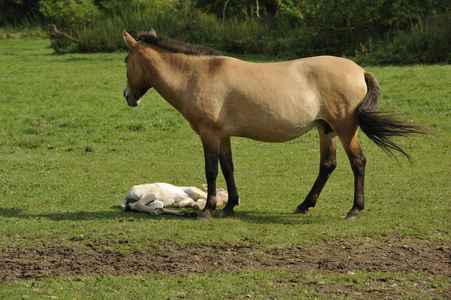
point(270, 132)
point(271, 114)
point(283, 121)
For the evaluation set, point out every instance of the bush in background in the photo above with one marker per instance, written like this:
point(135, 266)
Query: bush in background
point(428, 42)
point(386, 31)
point(70, 15)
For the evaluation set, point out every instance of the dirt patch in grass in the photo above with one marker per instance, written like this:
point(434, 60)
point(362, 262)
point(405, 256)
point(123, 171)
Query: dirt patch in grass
point(408, 256)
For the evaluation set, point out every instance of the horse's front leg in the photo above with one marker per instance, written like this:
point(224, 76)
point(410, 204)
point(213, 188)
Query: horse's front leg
point(211, 146)
point(225, 158)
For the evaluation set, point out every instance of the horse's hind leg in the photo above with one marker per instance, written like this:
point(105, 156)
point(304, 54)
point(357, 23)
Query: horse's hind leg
point(328, 163)
point(358, 163)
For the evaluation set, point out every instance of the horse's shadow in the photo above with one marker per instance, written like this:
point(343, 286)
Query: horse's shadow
point(287, 218)
point(256, 217)
point(61, 216)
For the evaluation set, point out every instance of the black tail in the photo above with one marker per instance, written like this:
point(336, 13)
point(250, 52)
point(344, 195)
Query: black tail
point(380, 126)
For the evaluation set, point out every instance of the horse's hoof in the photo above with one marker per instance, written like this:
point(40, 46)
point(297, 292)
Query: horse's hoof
point(204, 216)
point(301, 211)
point(227, 213)
point(352, 215)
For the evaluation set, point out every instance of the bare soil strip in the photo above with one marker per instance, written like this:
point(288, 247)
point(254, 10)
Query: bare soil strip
point(395, 255)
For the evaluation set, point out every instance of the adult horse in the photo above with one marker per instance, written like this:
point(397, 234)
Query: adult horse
point(221, 97)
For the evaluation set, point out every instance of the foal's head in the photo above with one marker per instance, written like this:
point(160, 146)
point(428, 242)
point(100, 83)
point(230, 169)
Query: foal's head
point(136, 86)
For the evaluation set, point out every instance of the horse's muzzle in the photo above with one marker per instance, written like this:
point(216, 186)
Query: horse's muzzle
point(131, 100)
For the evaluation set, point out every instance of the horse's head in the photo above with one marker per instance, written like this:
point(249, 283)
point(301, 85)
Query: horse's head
point(137, 85)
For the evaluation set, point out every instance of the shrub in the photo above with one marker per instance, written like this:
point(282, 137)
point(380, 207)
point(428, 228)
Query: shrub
point(105, 34)
point(183, 23)
point(70, 15)
point(100, 30)
point(428, 42)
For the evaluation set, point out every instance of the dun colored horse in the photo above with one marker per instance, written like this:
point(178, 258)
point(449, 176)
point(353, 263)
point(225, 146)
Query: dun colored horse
point(221, 97)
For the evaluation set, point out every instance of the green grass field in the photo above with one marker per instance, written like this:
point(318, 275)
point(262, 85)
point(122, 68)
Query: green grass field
point(56, 194)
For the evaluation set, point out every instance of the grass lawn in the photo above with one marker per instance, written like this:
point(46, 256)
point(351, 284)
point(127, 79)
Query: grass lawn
point(56, 195)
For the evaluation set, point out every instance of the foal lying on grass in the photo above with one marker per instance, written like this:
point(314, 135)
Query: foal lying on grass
point(153, 197)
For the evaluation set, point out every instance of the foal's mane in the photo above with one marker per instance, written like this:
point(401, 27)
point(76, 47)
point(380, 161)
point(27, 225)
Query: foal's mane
point(176, 46)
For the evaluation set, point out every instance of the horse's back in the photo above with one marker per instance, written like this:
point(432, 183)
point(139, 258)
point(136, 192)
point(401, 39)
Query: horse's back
point(331, 72)
point(275, 102)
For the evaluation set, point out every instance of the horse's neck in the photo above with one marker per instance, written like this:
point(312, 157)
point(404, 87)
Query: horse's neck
point(172, 77)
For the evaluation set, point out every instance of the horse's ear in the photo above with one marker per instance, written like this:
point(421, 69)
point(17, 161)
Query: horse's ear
point(128, 39)
point(153, 32)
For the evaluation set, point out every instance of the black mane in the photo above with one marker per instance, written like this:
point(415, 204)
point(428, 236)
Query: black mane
point(175, 46)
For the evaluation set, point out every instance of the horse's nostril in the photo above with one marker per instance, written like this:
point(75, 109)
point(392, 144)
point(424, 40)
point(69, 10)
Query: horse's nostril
point(125, 93)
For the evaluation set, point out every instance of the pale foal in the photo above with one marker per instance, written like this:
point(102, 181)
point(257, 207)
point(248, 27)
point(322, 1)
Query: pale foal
point(153, 197)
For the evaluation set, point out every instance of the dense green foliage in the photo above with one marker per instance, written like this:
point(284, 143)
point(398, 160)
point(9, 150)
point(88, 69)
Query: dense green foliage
point(427, 42)
point(388, 31)
point(71, 15)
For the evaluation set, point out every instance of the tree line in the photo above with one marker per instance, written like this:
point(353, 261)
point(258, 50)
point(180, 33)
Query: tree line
point(383, 31)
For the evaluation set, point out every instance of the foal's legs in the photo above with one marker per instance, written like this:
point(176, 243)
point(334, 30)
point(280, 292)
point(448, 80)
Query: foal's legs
point(358, 162)
point(328, 163)
point(183, 213)
point(225, 158)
